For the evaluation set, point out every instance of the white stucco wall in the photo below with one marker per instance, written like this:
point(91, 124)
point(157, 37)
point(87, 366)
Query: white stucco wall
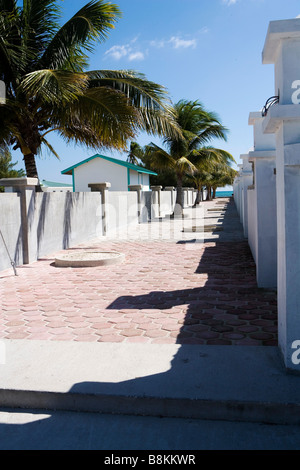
point(139, 178)
point(100, 171)
point(252, 221)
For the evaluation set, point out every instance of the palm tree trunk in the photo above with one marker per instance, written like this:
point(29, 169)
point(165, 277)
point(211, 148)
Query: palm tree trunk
point(214, 192)
point(208, 197)
point(178, 210)
point(198, 196)
point(30, 165)
point(31, 169)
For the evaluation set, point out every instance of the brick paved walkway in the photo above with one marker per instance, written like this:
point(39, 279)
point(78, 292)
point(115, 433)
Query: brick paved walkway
point(166, 291)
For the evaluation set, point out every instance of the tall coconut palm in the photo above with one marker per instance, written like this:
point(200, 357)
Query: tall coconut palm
point(48, 87)
point(221, 175)
point(187, 151)
point(135, 153)
point(7, 169)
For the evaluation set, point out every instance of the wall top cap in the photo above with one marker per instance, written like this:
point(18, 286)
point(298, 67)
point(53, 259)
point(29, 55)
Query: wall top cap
point(277, 31)
point(277, 115)
point(99, 186)
point(18, 182)
point(253, 117)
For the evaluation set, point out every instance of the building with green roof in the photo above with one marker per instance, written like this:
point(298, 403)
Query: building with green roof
point(101, 169)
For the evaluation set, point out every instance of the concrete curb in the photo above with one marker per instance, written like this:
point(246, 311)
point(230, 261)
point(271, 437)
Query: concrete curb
point(268, 413)
point(235, 383)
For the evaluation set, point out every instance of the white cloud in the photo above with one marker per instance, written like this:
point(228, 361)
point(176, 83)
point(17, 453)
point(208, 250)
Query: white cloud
point(125, 50)
point(117, 52)
point(136, 56)
point(204, 30)
point(158, 43)
point(229, 2)
point(133, 52)
point(179, 43)
point(175, 41)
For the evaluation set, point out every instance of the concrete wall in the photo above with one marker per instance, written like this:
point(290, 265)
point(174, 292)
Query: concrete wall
point(146, 203)
point(167, 202)
point(10, 226)
point(252, 222)
point(60, 220)
point(55, 221)
point(122, 209)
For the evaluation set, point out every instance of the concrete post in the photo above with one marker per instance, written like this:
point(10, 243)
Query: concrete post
point(103, 189)
point(246, 176)
point(282, 48)
point(236, 192)
point(172, 189)
point(186, 195)
point(264, 222)
point(240, 192)
point(25, 187)
point(157, 192)
point(138, 188)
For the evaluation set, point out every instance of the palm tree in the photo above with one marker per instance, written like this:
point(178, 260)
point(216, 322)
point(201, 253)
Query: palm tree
point(187, 151)
point(48, 88)
point(222, 175)
point(200, 179)
point(212, 174)
point(135, 153)
point(7, 169)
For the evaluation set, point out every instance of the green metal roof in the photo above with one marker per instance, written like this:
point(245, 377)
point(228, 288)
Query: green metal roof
point(130, 166)
point(51, 184)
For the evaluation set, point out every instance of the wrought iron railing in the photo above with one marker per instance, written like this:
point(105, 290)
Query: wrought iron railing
point(269, 103)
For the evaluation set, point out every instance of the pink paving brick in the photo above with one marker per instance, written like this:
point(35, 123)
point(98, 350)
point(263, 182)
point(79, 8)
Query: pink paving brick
point(163, 293)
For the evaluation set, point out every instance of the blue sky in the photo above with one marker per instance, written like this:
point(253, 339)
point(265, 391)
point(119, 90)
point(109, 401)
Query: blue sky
point(206, 50)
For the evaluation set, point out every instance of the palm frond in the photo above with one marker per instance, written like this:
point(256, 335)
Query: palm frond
point(39, 23)
point(90, 24)
point(156, 113)
point(184, 165)
point(99, 118)
point(49, 147)
point(159, 159)
point(54, 86)
point(11, 50)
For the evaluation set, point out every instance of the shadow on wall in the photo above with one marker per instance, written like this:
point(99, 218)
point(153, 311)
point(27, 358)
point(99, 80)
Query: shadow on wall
point(70, 201)
point(50, 217)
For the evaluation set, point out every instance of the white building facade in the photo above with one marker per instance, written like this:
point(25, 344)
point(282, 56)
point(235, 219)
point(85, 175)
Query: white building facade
point(99, 168)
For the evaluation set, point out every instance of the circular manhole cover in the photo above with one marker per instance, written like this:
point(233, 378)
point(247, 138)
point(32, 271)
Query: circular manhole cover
point(88, 259)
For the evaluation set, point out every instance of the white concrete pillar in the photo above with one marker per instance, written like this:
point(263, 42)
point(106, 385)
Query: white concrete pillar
point(263, 232)
point(240, 192)
point(172, 191)
point(138, 188)
point(282, 48)
point(26, 188)
point(156, 206)
point(246, 175)
point(236, 192)
point(103, 189)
